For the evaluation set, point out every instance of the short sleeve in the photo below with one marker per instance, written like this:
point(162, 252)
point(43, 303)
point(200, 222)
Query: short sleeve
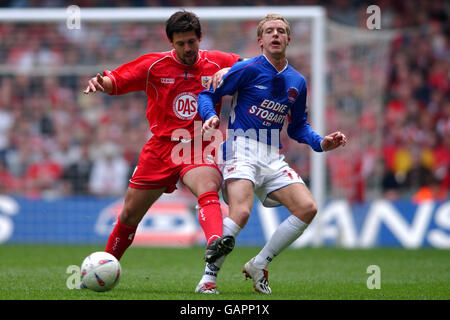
point(131, 76)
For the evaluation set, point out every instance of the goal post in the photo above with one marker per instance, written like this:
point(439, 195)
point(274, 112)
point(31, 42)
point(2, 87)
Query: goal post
point(316, 14)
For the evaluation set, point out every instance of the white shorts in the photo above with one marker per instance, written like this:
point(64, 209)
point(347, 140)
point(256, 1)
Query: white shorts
point(263, 165)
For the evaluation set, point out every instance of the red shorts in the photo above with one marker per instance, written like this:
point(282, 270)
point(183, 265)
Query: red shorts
point(162, 162)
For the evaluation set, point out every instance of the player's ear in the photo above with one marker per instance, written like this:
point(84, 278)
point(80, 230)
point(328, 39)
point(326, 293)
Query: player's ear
point(200, 37)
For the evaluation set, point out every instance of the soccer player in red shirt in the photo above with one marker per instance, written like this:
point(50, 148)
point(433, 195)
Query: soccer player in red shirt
point(172, 80)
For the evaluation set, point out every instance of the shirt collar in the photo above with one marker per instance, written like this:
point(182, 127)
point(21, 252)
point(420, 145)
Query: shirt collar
point(285, 67)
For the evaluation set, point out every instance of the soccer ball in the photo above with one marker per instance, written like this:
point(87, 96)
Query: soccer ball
point(100, 271)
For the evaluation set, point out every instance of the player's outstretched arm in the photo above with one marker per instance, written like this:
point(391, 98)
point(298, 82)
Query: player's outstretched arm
point(333, 141)
point(101, 83)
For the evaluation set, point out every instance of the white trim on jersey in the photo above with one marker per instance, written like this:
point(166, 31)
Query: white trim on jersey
point(148, 76)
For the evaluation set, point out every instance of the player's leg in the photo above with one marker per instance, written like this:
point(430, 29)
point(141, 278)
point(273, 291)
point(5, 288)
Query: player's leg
point(298, 200)
point(207, 283)
point(300, 203)
point(154, 175)
point(240, 200)
point(137, 203)
point(204, 182)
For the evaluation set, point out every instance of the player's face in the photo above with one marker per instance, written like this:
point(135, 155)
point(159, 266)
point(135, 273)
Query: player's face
point(186, 45)
point(274, 38)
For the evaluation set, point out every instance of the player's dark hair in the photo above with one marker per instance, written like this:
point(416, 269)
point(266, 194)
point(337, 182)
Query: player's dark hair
point(183, 21)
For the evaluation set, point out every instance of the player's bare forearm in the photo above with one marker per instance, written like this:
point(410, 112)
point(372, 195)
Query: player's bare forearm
point(333, 141)
point(211, 123)
point(217, 78)
point(99, 83)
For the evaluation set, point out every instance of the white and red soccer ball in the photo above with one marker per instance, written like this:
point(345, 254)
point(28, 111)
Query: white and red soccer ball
point(100, 271)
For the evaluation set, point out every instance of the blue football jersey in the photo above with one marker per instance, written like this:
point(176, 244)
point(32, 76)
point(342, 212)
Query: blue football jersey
point(263, 99)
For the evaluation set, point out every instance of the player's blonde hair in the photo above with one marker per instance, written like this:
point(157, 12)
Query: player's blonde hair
point(270, 17)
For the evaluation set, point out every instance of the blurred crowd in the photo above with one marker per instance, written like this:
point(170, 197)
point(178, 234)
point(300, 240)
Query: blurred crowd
point(54, 140)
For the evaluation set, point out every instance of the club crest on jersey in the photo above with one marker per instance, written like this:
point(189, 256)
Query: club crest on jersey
point(292, 94)
point(185, 105)
point(205, 80)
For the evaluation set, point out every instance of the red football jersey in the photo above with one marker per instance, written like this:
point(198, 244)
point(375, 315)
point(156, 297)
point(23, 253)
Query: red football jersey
point(171, 86)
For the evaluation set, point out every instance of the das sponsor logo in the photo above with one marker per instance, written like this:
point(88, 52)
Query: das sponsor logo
point(185, 105)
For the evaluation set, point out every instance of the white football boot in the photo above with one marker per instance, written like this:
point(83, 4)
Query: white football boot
point(206, 288)
point(260, 277)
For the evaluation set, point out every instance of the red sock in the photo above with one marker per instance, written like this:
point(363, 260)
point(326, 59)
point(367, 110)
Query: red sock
point(210, 215)
point(120, 239)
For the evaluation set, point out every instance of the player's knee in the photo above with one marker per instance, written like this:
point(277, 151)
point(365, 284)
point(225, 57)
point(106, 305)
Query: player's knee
point(240, 216)
point(311, 211)
point(313, 208)
point(204, 186)
point(245, 215)
point(209, 185)
point(201, 180)
point(307, 212)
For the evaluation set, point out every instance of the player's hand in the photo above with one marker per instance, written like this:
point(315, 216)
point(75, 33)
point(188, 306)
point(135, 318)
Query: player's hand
point(211, 123)
point(333, 141)
point(216, 78)
point(96, 83)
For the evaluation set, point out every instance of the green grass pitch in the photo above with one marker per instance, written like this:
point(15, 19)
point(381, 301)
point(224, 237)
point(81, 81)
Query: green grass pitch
point(29, 272)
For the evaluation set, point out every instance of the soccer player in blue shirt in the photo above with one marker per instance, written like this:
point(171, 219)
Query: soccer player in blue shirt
point(268, 91)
